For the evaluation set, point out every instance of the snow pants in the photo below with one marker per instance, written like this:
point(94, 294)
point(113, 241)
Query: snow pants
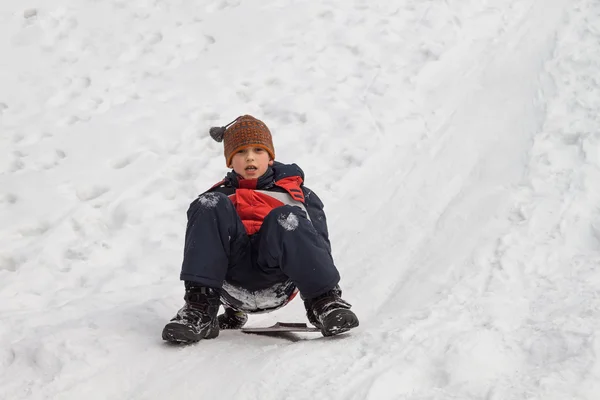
point(286, 248)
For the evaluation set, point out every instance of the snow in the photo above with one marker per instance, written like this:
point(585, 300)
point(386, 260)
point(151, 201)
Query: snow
point(288, 222)
point(209, 200)
point(455, 145)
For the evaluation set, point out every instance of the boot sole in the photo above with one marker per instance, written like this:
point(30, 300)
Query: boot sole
point(339, 322)
point(178, 333)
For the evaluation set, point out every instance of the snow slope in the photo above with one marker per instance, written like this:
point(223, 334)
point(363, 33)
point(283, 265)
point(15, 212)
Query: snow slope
point(454, 143)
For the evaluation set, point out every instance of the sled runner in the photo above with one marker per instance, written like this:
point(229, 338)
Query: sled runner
point(281, 327)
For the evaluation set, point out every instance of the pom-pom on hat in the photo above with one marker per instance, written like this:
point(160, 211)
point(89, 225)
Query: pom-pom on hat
point(245, 131)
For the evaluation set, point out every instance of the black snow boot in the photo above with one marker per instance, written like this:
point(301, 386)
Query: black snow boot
point(232, 319)
point(330, 313)
point(197, 319)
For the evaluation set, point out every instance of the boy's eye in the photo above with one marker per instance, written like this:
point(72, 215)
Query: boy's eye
point(259, 149)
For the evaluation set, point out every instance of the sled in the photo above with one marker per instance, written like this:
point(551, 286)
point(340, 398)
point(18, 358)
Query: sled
point(281, 327)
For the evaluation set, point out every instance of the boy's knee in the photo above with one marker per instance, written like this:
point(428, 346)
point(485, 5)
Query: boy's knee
point(212, 200)
point(209, 202)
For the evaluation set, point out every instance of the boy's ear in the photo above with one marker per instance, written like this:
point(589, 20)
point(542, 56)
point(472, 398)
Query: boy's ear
point(271, 162)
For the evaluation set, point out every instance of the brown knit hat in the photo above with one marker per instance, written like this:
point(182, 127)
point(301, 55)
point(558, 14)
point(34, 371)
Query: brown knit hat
point(243, 132)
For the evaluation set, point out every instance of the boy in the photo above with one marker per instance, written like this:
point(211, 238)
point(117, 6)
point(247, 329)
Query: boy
point(253, 241)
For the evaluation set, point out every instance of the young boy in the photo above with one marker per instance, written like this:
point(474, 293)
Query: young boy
point(253, 241)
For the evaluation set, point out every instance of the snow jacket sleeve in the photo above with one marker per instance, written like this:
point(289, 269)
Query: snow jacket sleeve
point(314, 207)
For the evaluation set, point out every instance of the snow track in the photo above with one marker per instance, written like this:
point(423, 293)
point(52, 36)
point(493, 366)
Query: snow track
point(454, 143)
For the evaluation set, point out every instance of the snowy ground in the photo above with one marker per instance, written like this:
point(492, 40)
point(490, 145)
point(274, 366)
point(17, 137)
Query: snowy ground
point(456, 145)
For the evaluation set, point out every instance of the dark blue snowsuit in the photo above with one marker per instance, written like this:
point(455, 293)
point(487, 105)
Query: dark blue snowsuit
point(292, 244)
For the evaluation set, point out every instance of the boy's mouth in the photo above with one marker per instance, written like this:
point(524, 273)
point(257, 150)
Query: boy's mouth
point(251, 168)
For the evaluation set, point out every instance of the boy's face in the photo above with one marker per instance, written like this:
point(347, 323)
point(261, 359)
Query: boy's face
point(251, 162)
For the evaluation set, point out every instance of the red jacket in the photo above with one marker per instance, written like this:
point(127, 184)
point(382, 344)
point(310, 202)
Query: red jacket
point(282, 184)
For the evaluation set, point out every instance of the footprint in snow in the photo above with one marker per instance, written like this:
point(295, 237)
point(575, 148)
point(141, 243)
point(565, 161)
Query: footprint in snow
point(51, 160)
point(9, 264)
point(154, 38)
point(30, 13)
point(125, 161)
point(75, 119)
point(18, 164)
point(77, 254)
point(91, 192)
point(35, 230)
point(9, 198)
point(210, 39)
point(7, 358)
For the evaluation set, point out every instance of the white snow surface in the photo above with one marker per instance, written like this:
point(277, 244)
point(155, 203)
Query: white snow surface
point(455, 144)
